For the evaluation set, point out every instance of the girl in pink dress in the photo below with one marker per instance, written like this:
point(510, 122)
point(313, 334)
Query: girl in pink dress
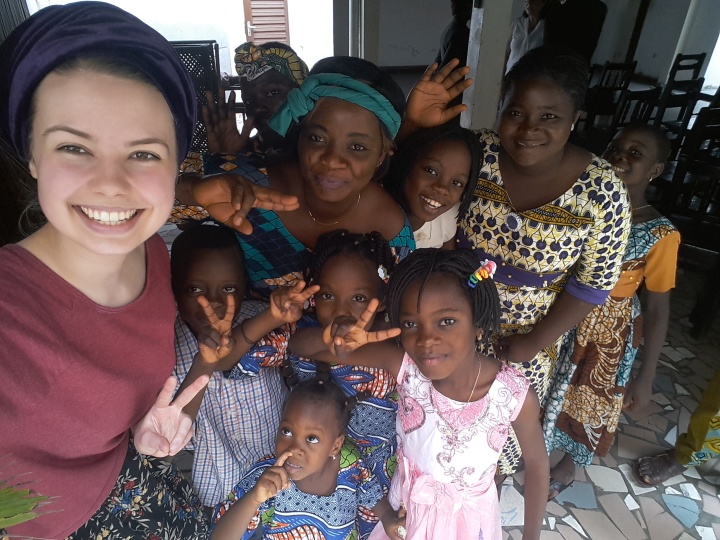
point(456, 405)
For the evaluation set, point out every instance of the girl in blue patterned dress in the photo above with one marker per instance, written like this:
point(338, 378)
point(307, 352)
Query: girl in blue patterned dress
point(351, 269)
point(314, 484)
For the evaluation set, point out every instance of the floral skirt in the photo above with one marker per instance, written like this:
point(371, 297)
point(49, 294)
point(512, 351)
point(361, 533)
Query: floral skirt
point(150, 500)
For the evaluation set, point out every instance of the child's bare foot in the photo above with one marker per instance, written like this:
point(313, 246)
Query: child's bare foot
point(651, 471)
point(562, 476)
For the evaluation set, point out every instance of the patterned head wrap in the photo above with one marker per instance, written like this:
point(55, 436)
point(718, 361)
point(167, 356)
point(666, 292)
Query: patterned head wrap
point(252, 61)
point(300, 101)
point(58, 34)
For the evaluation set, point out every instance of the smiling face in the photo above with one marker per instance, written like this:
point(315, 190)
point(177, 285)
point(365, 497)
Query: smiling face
point(347, 283)
point(436, 181)
point(103, 152)
point(535, 122)
point(633, 153)
point(264, 95)
point(439, 335)
point(214, 274)
point(310, 430)
point(340, 148)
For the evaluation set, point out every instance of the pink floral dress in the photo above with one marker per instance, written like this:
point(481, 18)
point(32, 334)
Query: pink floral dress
point(447, 455)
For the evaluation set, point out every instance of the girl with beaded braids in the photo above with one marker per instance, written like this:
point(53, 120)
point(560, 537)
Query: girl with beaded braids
point(345, 127)
point(352, 269)
point(456, 404)
point(314, 484)
point(433, 177)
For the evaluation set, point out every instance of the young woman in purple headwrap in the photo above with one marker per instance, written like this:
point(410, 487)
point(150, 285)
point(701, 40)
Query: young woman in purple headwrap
point(100, 108)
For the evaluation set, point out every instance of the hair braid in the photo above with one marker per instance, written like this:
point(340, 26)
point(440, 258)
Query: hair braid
point(371, 246)
point(326, 393)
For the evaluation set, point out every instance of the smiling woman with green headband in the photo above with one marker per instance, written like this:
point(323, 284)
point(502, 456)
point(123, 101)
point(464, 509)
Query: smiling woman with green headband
point(266, 74)
point(344, 127)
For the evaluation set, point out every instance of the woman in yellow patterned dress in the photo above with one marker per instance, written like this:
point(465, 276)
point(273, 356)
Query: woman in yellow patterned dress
point(554, 217)
point(592, 377)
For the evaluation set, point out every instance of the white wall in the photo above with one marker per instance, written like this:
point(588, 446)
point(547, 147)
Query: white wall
point(661, 33)
point(311, 30)
point(702, 29)
point(616, 32)
point(410, 31)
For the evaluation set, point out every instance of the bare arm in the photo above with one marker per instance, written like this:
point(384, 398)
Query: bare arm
point(347, 340)
point(229, 197)
point(656, 313)
point(565, 313)
point(235, 521)
point(537, 465)
point(221, 347)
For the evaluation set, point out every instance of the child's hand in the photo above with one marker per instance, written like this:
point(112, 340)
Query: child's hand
point(429, 98)
point(272, 481)
point(221, 127)
point(517, 348)
point(394, 524)
point(217, 341)
point(345, 334)
point(638, 394)
point(286, 303)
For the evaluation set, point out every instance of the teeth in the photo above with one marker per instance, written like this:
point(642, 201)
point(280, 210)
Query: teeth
point(431, 202)
point(618, 170)
point(108, 218)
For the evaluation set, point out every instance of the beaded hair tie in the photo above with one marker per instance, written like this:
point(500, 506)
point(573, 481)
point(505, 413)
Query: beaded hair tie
point(486, 270)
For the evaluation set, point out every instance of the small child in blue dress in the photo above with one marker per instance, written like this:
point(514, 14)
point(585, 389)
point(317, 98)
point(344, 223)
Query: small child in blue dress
point(314, 483)
point(350, 269)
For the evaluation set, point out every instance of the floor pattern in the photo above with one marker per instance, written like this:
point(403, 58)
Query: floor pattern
point(605, 502)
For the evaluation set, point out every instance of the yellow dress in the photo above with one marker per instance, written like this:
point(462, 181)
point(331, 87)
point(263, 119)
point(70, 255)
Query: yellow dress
point(575, 243)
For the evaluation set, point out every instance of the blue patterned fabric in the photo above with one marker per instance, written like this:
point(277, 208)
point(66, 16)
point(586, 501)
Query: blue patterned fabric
point(293, 513)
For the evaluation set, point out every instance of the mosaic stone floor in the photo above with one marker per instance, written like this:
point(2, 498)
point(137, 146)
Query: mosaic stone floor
point(605, 502)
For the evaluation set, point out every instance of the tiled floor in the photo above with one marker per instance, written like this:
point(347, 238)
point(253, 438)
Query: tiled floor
point(605, 503)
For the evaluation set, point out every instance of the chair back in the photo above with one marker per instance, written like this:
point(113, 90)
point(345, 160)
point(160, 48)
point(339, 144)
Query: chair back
point(617, 76)
point(604, 97)
point(202, 61)
point(637, 106)
point(703, 139)
point(686, 66)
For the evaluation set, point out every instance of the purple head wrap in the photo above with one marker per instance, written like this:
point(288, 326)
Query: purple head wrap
point(57, 34)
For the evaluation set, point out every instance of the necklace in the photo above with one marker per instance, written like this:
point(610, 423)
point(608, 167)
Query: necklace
point(641, 207)
point(459, 411)
point(334, 222)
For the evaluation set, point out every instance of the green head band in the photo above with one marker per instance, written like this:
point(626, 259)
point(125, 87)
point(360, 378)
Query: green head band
point(300, 101)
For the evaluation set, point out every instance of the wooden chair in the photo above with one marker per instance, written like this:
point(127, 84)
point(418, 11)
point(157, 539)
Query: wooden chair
point(692, 198)
point(676, 107)
point(688, 66)
point(604, 98)
point(637, 106)
point(202, 61)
